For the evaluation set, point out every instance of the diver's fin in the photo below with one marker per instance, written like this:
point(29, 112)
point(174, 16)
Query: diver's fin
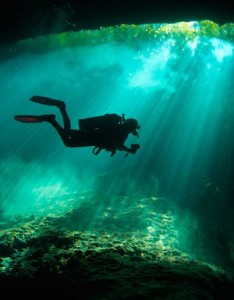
point(47, 101)
point(34, 119)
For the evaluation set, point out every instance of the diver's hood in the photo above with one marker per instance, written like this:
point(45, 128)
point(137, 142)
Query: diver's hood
point(133, 125)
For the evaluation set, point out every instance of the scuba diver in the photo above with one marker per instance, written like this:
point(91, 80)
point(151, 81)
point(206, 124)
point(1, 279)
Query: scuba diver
point(108, 132)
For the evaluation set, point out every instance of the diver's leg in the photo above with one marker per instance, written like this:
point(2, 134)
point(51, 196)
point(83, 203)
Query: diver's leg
point(72, 138)
point(66, 120)
point(52, 102)
point(69, 137)
point(64, 134)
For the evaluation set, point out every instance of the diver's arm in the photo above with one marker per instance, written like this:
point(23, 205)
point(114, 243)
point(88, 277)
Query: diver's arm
point(133, 149)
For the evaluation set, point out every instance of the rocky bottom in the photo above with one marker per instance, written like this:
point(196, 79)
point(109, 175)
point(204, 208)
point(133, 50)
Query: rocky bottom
point(51, 256)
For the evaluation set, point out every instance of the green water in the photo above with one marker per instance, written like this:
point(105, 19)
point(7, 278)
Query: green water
point(177, 81)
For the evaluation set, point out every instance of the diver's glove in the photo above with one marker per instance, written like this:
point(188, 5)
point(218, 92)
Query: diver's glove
point(134, 148)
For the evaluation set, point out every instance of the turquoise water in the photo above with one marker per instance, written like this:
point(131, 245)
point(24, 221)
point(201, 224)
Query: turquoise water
point(177, 81)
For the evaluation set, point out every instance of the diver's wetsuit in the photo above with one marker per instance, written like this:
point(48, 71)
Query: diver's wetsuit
point(110, 138)
point(115, 135)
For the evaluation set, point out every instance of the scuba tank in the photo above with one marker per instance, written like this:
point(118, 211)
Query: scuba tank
point(107, 120)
